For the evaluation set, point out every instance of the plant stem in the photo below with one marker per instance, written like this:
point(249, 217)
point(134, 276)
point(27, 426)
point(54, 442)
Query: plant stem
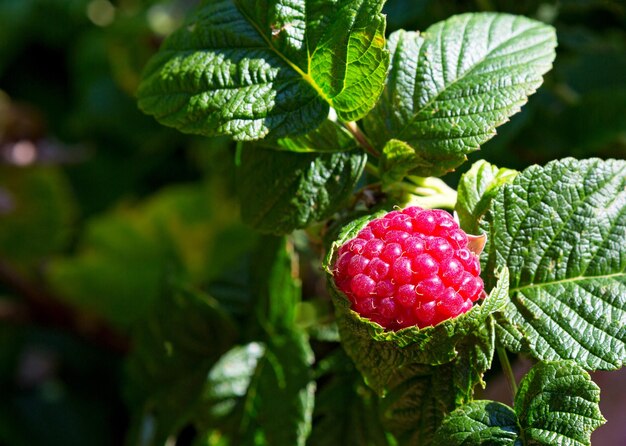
point(428, 192)
point(361, 138)
point(508, 370)
point(372, 169)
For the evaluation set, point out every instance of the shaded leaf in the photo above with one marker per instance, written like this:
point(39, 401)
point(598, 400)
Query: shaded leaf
point(276, 284)
point(179, 230)
point(279, 403)
point(36, 212)
point(330, 136)
point(346, 411)
point(283, 191)
point(480, 423)
point(173, 351)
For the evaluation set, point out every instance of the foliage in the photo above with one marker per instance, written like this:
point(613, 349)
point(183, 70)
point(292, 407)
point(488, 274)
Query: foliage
point(168, 285)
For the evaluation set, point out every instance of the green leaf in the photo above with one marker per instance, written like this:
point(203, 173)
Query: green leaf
point(397, 160)
point(561, 230)
point(346, 411)
point(480, 423)
point(173, 351)
point(418, 399)
point(450, 87)
point(279, 402)
point(276, 284)
point(557, 403)
point(271, 68)
point(263, 393)
point(260, 394)
point(477, 187)
point(229, 378)
point(283, 191)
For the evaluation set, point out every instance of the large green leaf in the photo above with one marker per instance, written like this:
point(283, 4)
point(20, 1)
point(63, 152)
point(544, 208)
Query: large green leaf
point(557, 404)
point(561, 231)
point(283, 191)
point(450, 87)
point(271, 68)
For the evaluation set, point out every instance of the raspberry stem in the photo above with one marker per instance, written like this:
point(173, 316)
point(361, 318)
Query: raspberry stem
point(507, 370)
point(361, 138)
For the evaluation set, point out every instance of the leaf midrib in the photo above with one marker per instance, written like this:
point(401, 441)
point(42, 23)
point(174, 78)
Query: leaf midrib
point(306, 76)
point(567, 280)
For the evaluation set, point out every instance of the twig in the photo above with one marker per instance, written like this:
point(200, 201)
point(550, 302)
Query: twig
point(361, 138)
point(508, 370)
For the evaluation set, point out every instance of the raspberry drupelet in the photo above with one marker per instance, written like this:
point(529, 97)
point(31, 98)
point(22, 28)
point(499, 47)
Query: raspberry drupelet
point(411, 267)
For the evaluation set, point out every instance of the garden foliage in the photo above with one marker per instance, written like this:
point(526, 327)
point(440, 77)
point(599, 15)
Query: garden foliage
point(224, 321)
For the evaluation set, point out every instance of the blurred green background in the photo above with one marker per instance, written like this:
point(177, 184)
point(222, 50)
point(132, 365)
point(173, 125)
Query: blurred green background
point(102, 209)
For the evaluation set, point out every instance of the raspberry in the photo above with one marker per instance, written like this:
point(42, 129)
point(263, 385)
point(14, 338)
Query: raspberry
point(409, 267)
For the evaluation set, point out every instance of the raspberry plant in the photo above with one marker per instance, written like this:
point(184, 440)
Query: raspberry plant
point(338, 124)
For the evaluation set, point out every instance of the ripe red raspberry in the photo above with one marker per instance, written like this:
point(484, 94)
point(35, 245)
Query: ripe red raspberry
point(409, 267)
